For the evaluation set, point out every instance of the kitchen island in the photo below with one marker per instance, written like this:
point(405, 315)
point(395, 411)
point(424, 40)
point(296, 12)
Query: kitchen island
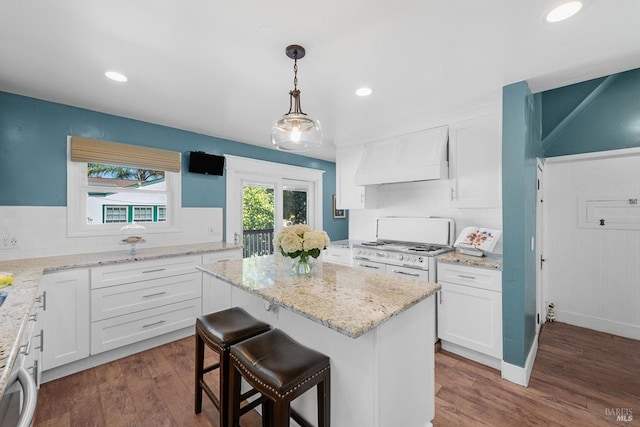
point(377, 330)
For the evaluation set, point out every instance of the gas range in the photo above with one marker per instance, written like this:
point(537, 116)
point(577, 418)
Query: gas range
point(405, 254)
point(397, 251)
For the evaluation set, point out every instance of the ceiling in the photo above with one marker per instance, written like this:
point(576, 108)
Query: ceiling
point(218, 67)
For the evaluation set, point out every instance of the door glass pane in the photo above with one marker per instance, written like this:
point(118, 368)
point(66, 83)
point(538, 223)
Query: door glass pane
point(258, 210)
point(294, 206)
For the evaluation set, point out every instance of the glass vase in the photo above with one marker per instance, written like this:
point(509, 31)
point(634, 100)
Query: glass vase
point(301, 266)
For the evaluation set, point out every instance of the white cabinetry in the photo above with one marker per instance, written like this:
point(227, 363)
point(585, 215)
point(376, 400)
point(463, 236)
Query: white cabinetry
point(348, 194)
point(338, 255)
point(475, 162)
point(32, 350)
point(136, 301)
point(216, 298)
point(470, 312)
point(65, 321)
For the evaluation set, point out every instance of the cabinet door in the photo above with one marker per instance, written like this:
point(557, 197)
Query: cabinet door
point(475, 162)
point(65, 318)
point(348, 194)
point(471, 318)
point(216, 294)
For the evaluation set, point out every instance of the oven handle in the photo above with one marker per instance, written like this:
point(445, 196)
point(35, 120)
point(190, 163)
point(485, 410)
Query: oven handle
point(30, 396)
point(405, 273)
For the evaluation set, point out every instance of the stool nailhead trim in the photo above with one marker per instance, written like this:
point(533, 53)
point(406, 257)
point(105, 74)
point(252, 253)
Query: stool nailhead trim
point(273, 389)
point(202, 333)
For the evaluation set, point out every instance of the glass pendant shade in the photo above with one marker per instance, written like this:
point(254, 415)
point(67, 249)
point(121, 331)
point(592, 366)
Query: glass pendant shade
point(296, 132)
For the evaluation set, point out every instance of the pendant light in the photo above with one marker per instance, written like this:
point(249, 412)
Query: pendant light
point(296, 131)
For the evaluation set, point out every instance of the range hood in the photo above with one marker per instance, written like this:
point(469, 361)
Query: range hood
point(418, 156)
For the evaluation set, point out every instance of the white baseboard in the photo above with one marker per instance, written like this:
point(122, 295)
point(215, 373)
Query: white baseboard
point(116, 353)
point(517, 374)
point(492, 362)
point(603, 325)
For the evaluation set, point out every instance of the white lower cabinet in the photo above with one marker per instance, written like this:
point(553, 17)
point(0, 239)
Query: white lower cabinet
point(136, 301)
point(338, 255)
point(216, 298)
point(470, 309)
point(65, 319)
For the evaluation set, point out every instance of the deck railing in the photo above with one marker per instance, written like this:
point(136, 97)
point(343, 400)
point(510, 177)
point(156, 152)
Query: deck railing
point(257, 242)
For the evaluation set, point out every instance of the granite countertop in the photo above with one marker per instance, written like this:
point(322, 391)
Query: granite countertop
point(491, 261)
point(15, 311)
point(342, 298)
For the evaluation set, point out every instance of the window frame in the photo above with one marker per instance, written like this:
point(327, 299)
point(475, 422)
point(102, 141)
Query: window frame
point(77, 189)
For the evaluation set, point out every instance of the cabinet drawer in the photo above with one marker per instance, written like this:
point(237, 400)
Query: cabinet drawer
point(337, 255)
point(128, 329)
point(480, 278)
point(124, 299)
point(142, 270)
point(232, 254)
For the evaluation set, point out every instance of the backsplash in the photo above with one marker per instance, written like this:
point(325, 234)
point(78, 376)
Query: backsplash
point(420, 199)
point(42, 231)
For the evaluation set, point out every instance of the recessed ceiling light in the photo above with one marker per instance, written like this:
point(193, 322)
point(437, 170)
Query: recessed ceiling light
point(114, 75)
point(563, 11)
point(364, 91)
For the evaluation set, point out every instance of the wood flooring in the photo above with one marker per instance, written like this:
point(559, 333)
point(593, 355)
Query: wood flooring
point(580, 378)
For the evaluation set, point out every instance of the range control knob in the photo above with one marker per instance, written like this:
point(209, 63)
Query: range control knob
point(400, 257)
point(420, 259)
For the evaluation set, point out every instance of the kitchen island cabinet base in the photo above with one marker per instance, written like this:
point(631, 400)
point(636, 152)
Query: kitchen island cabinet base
point(383, 378)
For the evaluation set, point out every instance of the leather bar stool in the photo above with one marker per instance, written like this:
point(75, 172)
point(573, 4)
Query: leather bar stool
point(281, 369)
point(219, 331)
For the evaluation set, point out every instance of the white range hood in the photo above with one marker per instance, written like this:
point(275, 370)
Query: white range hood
point(418, 156)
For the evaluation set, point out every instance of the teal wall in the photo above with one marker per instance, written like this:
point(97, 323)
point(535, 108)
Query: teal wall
point(596, 115)
point(521, 145)
point(606, 118)
point(33, 144)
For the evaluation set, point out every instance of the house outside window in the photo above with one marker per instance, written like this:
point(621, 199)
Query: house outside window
point(103, 196)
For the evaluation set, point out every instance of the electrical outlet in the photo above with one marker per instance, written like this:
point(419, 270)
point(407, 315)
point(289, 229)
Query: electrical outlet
point(8, 242)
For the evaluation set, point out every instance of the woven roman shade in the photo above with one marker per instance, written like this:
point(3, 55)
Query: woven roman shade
point(113, 153)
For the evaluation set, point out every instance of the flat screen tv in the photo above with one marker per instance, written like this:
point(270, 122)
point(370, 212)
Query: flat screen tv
point(209, 164)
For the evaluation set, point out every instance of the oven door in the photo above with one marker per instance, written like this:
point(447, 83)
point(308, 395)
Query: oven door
point(408, 272)
point(375, 267)
point(18, 405)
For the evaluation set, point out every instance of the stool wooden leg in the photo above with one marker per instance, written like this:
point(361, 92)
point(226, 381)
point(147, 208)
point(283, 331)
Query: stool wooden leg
point(225, 391)
point(282, 412)
point(199, 373)
point(267, 413)
point(234, 397)
point(324, 401)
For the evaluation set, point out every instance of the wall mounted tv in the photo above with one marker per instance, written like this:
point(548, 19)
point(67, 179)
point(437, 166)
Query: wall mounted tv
point(210, 164)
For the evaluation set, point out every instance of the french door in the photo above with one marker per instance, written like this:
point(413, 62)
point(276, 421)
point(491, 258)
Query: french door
point(261, 204)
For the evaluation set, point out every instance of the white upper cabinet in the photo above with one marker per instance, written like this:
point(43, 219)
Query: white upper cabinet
point(475, 162)
point(348, 194)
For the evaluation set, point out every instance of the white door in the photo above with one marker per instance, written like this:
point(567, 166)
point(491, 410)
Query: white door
point(540, 303)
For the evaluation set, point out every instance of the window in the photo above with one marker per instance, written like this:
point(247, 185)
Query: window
point(114, 214)
point(105, 193)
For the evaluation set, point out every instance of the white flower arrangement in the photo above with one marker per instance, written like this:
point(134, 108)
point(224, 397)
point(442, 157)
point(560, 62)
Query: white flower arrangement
point(300, 241)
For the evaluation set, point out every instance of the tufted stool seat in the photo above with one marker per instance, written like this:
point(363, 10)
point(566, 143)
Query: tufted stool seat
point(281, 369)
point(219, 331)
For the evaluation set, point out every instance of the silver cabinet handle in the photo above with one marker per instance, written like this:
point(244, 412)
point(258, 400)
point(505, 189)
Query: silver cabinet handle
point(466, 277)
point(157, 294)
point(34, 371)
point(25, 349)
point(42, 299)
point(41, 336)
point(154, 271)
point(223, 260)
point(33, 317)
point(369, 266)
point(148, 325)
point(440, 295)
point(405, 273)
